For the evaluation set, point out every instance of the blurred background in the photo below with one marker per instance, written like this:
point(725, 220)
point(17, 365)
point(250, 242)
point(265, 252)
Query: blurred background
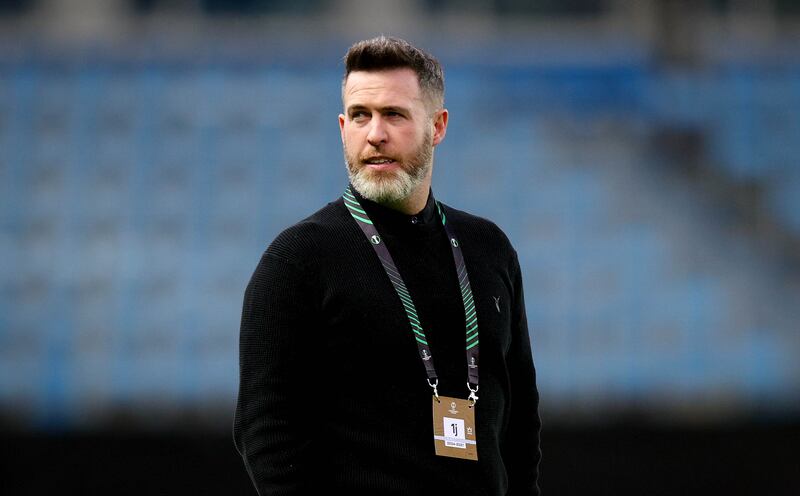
point(641, 155)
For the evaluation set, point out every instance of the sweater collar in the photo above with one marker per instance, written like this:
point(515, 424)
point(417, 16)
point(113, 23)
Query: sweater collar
point(389, 217)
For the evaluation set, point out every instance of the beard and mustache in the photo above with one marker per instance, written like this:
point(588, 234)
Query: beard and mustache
point(391, 186)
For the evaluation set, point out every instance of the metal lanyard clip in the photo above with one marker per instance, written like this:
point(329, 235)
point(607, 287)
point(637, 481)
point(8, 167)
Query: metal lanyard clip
point(473, 398)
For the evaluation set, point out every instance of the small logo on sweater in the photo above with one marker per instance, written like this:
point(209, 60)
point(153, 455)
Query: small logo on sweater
point(497, 303)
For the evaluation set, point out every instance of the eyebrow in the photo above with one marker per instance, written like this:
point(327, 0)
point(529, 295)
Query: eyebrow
point(383, 110)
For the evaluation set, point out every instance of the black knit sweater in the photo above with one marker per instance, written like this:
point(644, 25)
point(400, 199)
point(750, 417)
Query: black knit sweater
point(333, 394)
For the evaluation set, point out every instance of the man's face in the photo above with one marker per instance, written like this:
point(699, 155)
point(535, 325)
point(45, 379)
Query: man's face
point(388, 134)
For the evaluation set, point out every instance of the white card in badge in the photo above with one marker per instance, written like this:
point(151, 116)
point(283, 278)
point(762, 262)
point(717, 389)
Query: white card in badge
point(454, 428)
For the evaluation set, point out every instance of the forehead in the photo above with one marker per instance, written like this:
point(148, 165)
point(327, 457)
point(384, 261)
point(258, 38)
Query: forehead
point(392, 86)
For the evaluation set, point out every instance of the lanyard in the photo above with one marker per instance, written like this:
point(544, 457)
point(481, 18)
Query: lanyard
point(471, 319)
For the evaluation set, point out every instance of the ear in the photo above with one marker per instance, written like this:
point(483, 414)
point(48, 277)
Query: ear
point(341, 126)
point(439, 126)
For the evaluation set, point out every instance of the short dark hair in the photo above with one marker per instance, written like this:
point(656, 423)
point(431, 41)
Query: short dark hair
point(384, 53)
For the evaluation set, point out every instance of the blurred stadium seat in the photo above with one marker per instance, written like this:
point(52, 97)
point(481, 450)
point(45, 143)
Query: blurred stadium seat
point(136, 198)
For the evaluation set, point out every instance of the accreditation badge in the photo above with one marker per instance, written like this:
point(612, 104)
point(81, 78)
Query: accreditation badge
point(454, 428)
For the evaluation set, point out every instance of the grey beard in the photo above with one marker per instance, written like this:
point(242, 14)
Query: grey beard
point(392, 189)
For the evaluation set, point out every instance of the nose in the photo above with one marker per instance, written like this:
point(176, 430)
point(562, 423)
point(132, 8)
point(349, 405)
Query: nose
point(377, 132)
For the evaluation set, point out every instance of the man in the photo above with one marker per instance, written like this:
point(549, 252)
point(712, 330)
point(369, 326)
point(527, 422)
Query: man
point(361, 326)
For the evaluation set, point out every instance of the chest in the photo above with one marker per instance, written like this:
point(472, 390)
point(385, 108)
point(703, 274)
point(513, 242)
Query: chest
point(366, 327)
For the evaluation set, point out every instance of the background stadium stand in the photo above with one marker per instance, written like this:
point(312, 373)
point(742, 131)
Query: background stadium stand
point(655, 206)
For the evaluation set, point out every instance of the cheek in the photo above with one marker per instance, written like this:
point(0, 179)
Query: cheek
point(409, 137)
point(353, 143)
point(352, 135)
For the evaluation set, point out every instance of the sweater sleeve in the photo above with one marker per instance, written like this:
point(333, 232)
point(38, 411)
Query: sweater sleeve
point(522, 452)
point(277, 323)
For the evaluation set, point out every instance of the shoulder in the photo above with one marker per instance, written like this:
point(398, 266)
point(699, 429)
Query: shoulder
point(300, 242)
point(479, 231)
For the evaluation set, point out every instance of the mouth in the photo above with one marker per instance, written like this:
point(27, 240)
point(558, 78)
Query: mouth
point(380, 163)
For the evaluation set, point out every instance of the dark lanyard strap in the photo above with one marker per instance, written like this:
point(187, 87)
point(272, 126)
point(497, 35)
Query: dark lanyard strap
point(471, 319)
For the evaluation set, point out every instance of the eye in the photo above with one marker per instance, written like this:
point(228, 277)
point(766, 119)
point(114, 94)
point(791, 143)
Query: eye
point(357, 115)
